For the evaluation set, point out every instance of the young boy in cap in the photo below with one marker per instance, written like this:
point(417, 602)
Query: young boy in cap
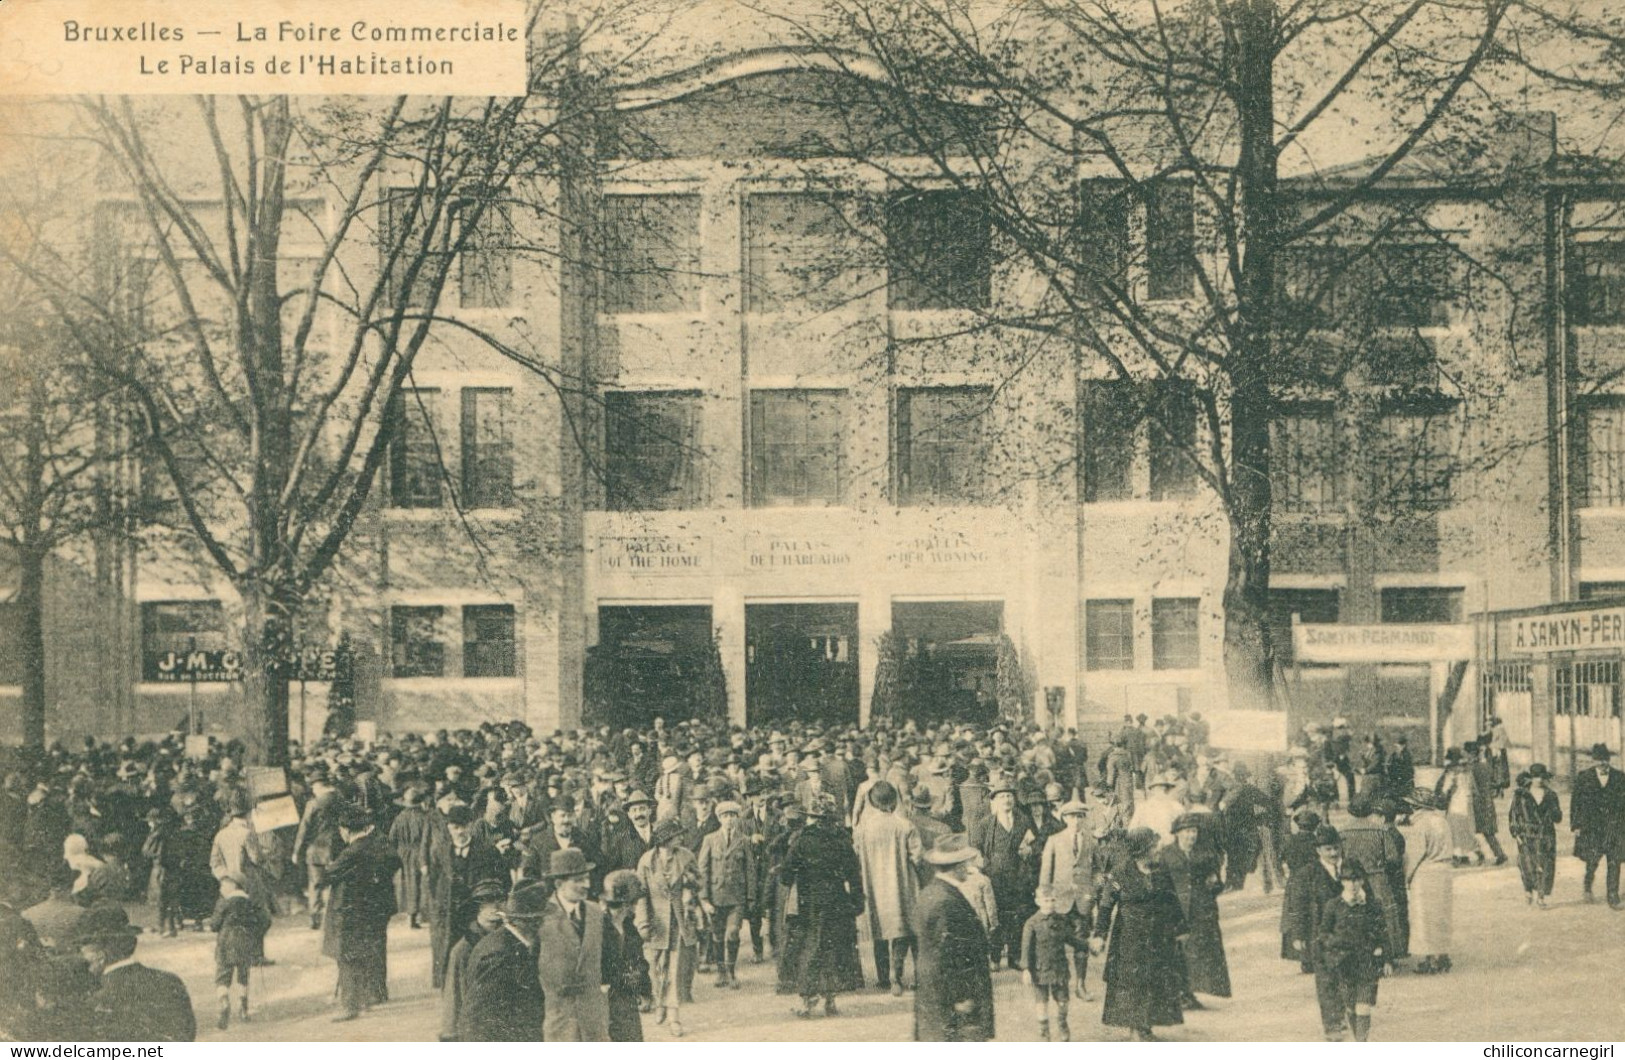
point(240, 925)
point(1045, 940)
point(1349, 958)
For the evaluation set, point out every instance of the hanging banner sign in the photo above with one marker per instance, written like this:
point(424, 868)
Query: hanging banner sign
point(1333, 643)
point(199, 666)
point(1602, 627)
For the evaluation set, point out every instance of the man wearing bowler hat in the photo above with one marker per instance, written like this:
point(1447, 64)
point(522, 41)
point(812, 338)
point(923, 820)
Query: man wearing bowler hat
point(134, 1003)
point(1597, 818)
point(953, 995)
point(356, 933)
point(574, 965)
point(504, 1000)
point(1005, 840)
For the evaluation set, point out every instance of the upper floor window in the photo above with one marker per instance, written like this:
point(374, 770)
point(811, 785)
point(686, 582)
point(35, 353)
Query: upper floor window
point(417, 641)
point(1109, 634)
point(802, 252)
point(1596, 274)
point(485, 265)
point(651, 450)
point(797, 447)
point(1309, 606)
point(939, 250)
point(414, 452)
point(1432, 604)
point(1134, 428)
point(1416, 459)
point(1305, 460)
point(488, 640)
point(482, 274)
point(1172, 422)
point(1176, 642)
point(941, 455)
point(1415, 285)
point(1170, 239)
point(1101, 237)
point(1603, 442)
point(487, 448)
point(651, 253)
point(1111, 418)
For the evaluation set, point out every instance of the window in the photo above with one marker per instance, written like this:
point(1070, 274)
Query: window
point(1176, 634)
point(1597, 283)
point(487, 448)
point(801, 253)
point(1414, 285)
point(1416, 458)
point(414, 452)
point(651, 451)
point(484, 268)
point(1436, 605)
point(1101, 239)
point(1173, 438)
point(796, 447)
point(1317, 287)
point(1306, 458)
point(651, 253)
point(1109, 634)
point(1587, 689)
point(178, 628)
point(1593, 591)
point(417, 641)
point(1170, 239)
point(1603, 441)
point(940, 250)
point(401, 245)
point(1111, 419)
point(1312, 606)
point(11, 635)
point(488, 641)
point(940, 452)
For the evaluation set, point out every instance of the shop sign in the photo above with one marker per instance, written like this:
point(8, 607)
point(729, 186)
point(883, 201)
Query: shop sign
point(1602, 627)
point(1333, 643)
point(944, 551)
point(199, 666)
point(653, 554)
point(798, 552)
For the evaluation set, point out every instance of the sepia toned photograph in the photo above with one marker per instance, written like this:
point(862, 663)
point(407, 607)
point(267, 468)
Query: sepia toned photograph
point(812, 521)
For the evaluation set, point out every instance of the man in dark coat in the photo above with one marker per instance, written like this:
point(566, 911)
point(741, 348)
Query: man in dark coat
point(953, 994)
point(1005, 840)
point(1597, 818)
point(1244, 813)
point(822, 866)
point(361, 901)
point(316, 842)
point(504, 1002)
point(134, 1003)
point(626, 841)
point(1193, 868)
point(1307, 893)
point(457, 862)
point(1399, 771)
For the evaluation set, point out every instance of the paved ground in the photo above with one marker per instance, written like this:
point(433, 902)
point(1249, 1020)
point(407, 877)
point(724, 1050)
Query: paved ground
point(1520, 975)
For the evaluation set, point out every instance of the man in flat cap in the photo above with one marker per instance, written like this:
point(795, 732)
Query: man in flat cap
point(728, 887)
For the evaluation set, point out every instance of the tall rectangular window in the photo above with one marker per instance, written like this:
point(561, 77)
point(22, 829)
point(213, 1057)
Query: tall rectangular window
point(485, 266)
point(1431, 604)
point(1173, 439)
point(797, 447)
point(414, 452)
point(651, 253)
point(1603, 440)
point(488, 640)
point(651, 451)
point(1415, 285)
point(417, 641)
point(1101, 239)
point(487, 448)
point(1170, 239)
point(1415, 459)
point(801, 253)
point(1109, 634)
point(1110, 427)
point(1596, 275)
point(404, 243)
point(1317, 288)
point(177, 628)
point(11, 634)
point(1176, 642)
point(1305, 457)
point(940, 250)
point(941, 455)
point(1311, 606)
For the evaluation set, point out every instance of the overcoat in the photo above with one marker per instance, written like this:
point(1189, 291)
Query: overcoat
point(1597, 815)
point(823, 869)
point(139, 1004)
point(1380, 850)
point(503, 1002)
point(1533, 823)
point(455, 992)
point(888, 850)
point(1307, 893)
point(727, 865)
point(665, 917)
point(1001, 851)
point(632, 985)
point(1140, 915)
point(1196, 881)
point(409, 835)
point(951, 968)
point(1429, 847)
point(363, 900)
point(574, 969)
point(239, 927)
point(449, 886)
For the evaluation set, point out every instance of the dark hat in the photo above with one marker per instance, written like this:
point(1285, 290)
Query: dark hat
point(637, 798)
point(355, 819)
point(921, 799)
point(1187, 821)
point(1360, 806)
point(1029, 794)
point(566, 863)
point(528, 901)
point(1600, 752)
point(489, 891)
point(823, 806)
point(1539, 770)
point(1306, 820)
point(1350, 870)
point(622, 886)
point(1327, 836)
point(1140, 841)
point(459, 815)
point(102, 922)
point(665, 831)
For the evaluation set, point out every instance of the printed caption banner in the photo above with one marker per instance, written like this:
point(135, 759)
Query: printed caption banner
point(302, 47)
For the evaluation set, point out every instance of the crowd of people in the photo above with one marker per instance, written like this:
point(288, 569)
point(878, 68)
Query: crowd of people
point(574, 884)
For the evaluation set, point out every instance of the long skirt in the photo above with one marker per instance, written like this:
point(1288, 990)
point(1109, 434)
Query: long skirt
point(1537, 862)
point(1431, 909)
point(1462, 841)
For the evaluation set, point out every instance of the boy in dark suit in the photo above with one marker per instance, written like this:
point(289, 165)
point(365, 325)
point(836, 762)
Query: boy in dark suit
point(1045, 939)
point(1349, 958)
point(239, 926)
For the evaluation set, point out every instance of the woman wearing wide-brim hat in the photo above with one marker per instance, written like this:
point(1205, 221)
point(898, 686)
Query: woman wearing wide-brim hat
point(1533, 819)
point(1141, 917)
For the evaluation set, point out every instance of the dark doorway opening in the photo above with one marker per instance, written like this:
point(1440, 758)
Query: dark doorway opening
point(948, 669)
point(801, 663)
point(655, 661)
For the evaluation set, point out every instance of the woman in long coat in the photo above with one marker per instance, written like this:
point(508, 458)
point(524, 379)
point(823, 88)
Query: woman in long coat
point(356, 931)
point(409, 835)
point(1455, 788)
point(823, 869)
point(1140, 914)
point(1429, 849)
point(1193, 869)
point(1536, 813)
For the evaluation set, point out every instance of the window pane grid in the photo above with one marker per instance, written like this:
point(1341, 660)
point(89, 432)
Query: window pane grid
point(1416, 461)
point(1597, 282)
point(1306, 458)
point(1109, 634)
point(417, 644)
point(801, 252)
point(651, 253)
point(1175, 634)
point(1604, 454)
point(797, 450)
point(941, 453)
point(487, 448)
point(414, 452)
point(1111, 419)
point(484, 268)
point(488, 640)
point(1170, 240)
point(939, 249)
point(651, 451)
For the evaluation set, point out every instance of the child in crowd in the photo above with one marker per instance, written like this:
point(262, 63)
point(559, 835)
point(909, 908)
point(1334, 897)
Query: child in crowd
point(240, 926)
point(1349, 958)
point(1045, 940)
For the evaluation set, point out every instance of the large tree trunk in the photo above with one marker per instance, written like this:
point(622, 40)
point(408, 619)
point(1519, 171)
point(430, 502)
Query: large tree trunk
point(266, 632)
point(31, 646)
